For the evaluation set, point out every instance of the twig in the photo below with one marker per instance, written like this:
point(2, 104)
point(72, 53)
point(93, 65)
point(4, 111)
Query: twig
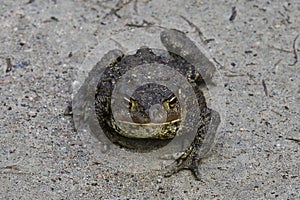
point(286, 17)
point(250, 64)
point(280, 49)
point(295, 52)
point(135, 6)
point(203, 39)
point(277, 62)
point(105, 6)
point(295, 140)
point(216, 61)
point(233, 14)
point(208, 40)
point(10, 172)
point(278, 113)
point(234, 75)
point(142, 25)
point(117, 8)
point(120, 46)
point(265, 87)
point(8, 65)
point(13, 166)
point(193, 26)
point(11, 169)
point(286, 9)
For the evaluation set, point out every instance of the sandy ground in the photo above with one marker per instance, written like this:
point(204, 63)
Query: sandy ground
point(42, 157)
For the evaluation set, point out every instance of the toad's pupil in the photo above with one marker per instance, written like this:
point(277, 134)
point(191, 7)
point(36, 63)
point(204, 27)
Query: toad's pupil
point(129, 104)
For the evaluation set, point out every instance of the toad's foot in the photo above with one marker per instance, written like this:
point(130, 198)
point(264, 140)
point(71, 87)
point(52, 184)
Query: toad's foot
point(189, 161)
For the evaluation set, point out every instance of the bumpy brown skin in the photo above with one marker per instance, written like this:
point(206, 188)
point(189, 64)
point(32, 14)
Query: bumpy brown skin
point(209, 119)
point(111, 75)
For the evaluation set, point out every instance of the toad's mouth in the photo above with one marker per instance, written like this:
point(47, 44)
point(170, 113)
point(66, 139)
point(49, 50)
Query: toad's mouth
point(163, 131)
point(150, 123)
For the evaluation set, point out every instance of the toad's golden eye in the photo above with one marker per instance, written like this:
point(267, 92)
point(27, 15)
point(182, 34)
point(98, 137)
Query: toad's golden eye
point(130, 103)
point(170, 103)
point(173, 102)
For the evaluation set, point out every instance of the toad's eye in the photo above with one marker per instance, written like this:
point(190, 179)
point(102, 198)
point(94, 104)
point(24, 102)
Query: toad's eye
point(170, 102)
point(130, 103)
point(173, 102)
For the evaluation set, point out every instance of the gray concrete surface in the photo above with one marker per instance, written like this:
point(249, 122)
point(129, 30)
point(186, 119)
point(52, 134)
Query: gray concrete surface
point(42, 157)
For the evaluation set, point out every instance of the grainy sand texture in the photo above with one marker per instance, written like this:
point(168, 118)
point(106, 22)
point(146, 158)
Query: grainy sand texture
point(256, 51)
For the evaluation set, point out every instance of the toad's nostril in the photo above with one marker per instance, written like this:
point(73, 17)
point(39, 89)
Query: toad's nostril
point(157, 114)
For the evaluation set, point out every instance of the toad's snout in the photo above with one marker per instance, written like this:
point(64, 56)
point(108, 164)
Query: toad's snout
point(157, 114)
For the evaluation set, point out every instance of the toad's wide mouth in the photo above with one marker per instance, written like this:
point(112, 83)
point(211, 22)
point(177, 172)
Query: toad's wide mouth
point(166, 130)
point(151, 123)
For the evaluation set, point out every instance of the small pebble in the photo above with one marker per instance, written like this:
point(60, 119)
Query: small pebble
point(32, 113)
point(159, 180)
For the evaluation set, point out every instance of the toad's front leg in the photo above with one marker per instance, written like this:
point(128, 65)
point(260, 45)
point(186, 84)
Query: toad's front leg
point(189, 160)
point(199, 148)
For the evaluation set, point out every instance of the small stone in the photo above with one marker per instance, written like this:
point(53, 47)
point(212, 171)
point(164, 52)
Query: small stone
point(22, 43)
point(32, 114)
point(159, 180)
point(161, 190)
point(276, 24)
